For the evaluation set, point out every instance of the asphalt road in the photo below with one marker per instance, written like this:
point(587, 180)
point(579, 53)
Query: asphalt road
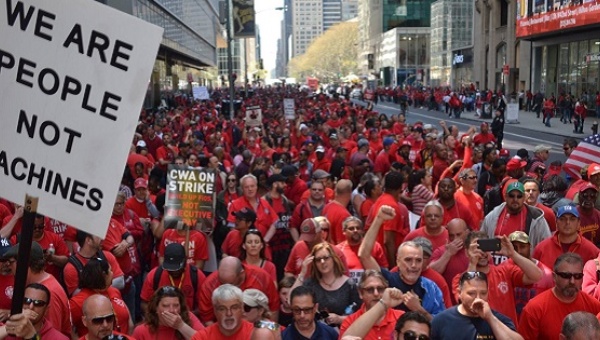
point(515, 136)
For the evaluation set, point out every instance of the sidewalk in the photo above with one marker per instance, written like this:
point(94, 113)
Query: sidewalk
point(526, 120)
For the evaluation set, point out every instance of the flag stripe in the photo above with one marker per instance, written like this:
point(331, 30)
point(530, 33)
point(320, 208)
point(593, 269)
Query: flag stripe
point(587, 152)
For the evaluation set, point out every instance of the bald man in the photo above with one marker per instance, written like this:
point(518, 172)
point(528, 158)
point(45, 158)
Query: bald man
point(99, 318)
point(233, 271)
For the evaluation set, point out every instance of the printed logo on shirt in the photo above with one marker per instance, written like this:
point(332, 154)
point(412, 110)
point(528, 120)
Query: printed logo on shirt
point(503, 287)
point(8, 291)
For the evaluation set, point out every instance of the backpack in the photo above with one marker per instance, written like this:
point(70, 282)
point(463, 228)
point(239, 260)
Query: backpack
point(74, 260)
point(193, 277)
point(493, 197)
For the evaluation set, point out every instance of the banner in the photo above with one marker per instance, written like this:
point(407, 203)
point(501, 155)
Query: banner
point(253, 116)
point(557, 15)
point(289, 108)
point(190, 198)
point(243, 19)
point(73, 76)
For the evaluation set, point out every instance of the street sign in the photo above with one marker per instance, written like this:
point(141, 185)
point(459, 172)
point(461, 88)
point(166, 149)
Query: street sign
point(73, 75)
point(505, 69)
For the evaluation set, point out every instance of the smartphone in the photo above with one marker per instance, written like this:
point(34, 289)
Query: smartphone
point(489, 244)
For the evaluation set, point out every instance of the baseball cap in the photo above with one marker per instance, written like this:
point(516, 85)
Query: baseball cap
point(174, 257)
point(256, 298)
point(309, 229)
point(406, 143)
point(141, 144)
point(593, 169)
point(505, 153)
point(320, 174)
point(541, 148)
point(363, 142)
point(515, 164)
point(388, 141)
point(425, 244)
point(288, 171)
point(4, 246)
point(515, 186)
point(37, 253)
point(140, 183)
point(427, 127)
point(567, 209)
point(320, 149)
point(245, 214)
point(588, 187)
point(333, 136)
point(518, 236)
point(523, 153)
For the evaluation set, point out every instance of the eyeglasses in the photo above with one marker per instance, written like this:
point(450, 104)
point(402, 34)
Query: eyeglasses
point(248, 309)
point(324, 258)
point(232, 309)
point(372, 290)
point(99, 320)
point(515, 196)
point(270, 325)
point(231, 180)
point(568, 276)
point(298, 310)
point(410, 335)
point(470, 177)
point(37, 303)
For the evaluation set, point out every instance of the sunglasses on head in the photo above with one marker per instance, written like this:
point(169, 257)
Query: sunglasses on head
point(110, 318)
point(270, 325)
point(37, 303)
point(568, 276)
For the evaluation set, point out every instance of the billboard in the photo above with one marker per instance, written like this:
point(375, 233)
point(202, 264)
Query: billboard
point(546, 16)
point(243, 19)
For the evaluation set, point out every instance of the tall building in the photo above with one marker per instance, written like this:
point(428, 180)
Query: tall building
point(452, 43)
point(332, 13)
point(394, 37)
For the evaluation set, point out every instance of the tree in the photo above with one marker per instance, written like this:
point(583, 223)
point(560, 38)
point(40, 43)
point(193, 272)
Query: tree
point(331, 56)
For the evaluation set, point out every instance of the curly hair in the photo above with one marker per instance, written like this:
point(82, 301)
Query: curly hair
point(338, 266)
point(152, 315)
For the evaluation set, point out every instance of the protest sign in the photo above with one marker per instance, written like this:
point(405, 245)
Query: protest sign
point(73, 76)
point(200, 93)
point(191, 197)
point(289, 108)
point(253, 116)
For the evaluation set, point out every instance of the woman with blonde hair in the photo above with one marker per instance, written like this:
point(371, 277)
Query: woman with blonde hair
point(336, 292)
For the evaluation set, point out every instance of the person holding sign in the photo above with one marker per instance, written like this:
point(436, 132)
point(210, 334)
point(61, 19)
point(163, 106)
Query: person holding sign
point(197, 252)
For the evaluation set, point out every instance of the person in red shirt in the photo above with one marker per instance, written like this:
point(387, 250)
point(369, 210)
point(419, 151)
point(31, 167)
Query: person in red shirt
point(336, 211)
point(295, 186)
point(394, 230)
point(7, 280)
point(141, 204)
point(567, 238)
point(99, 318)
point(433, 229)
point(55, 261)
point(589, 216)
point(166, 154)
point(233, 271)
point(321, 162)
point(266, 218)
point(467, 196)
point(484, 136)
point(532, 193)
point(168, 317)
point(453, 208)
point(228, 302)
point(197, 253)
point(383, 161)
point(440, 162)
point(543, 316)
point(37, 300)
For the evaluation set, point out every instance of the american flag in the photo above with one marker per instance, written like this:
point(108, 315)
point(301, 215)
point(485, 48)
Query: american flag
point(587, 152)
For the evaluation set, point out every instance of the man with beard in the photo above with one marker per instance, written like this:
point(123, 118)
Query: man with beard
point(304, 307)
point(589, 216)
point(514, 215)
point(282, 241)
point(543, 316)
point(453, 208)
point(228, 302)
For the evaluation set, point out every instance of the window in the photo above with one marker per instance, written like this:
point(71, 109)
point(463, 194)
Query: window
point(503, 12)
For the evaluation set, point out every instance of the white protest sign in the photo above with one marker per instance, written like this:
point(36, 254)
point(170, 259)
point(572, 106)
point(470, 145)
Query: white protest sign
point(253, 116)
point(512, 113)
point(200, 93)
point(73, 75)
point(289, 108)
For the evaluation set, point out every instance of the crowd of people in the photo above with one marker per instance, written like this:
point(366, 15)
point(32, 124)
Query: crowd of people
point(342, 223)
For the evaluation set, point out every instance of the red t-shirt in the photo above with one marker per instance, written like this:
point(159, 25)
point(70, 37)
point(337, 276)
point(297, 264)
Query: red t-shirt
point(474, 203)
point(114, 236)
point(294, 191)
point(60, 248)
point(335, 214)
point(232, 245)
point(549, 216)
point(184, 283)
point(58, 307)
point(16, 228)
point(6, 291)
point(550, 249)
point(437, 241)
point(399, 224)
point(508, 223)
point(265, 214)
point(213, 332)
point(71, 275)
point(543, 316)
point(355, 267)
point(456, 265)
point(142, 331)
point(119, 307)
point(198, 248)
point(138, 207)
point(254, 278)
point(381, 330)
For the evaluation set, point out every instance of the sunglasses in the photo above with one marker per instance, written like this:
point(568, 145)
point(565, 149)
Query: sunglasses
point(110, 318)
point(231, 180)
point(568, 276)
point(372, 290)
point(410, 335)
point(37, 303)
point(270, 325)
point(470, 177)
point(515, 196)
point(248, 309)
point(324, 258)
point(467, 276)
point(298, 311)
